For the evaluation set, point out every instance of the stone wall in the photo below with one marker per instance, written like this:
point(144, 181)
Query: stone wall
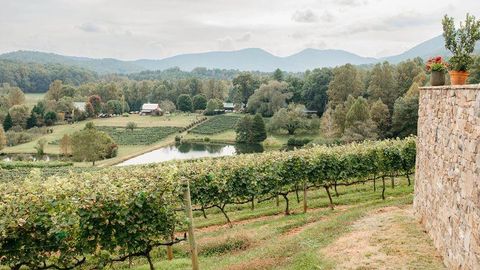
point(447, 186)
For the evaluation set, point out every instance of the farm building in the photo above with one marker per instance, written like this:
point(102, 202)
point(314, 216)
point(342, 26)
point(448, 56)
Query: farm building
point(80, 106)
point(228, 106)
point(150, 109)
point(231, 107)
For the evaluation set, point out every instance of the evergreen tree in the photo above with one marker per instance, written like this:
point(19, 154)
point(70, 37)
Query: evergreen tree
point(278, 75)
point(32, 121)
point(50, 118)
point(39, 109)
point(8, 122)
point(259, 133)
point(244, 129)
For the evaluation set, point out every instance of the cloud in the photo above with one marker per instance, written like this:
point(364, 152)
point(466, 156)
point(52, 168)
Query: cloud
point(226, 44)
point(317, 44)
point(409, 19)
point(351, 3)
point(304, 16)
point(246, 37)
point(90, 27)
point(327, 17)
point(298, 35)
point(401, 21)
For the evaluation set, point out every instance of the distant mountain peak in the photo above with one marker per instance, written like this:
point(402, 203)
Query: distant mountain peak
point(247, 59)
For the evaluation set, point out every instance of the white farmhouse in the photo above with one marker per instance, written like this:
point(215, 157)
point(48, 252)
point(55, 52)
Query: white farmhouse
point(150, 109)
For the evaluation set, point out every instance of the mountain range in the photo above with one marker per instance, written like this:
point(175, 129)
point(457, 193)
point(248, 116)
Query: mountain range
point(252, 59)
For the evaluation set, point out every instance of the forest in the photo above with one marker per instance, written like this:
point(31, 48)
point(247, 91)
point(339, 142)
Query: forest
point(352, 103)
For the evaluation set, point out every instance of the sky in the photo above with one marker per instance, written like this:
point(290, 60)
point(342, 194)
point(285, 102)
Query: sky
point(155, 29)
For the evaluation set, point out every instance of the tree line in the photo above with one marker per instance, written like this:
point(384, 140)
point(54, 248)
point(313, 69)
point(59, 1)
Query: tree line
point(353, 103)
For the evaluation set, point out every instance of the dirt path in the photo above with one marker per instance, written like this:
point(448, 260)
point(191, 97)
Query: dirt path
point(387, 238)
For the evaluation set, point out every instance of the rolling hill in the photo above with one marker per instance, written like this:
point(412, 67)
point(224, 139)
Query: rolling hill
point(251, 59)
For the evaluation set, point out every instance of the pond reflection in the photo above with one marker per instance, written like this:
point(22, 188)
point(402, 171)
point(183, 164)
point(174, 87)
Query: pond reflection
point(191, 151)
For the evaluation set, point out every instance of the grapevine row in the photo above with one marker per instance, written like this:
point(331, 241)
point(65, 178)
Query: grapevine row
point(113, 214)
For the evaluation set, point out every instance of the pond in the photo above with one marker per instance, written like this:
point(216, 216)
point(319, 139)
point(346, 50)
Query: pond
point(191, 151)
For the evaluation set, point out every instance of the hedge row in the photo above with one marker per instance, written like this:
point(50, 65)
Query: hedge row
point(116, 213)
point(11, 165)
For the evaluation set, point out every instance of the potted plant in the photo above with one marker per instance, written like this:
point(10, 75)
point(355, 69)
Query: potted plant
point(461, 42)
point(437, 67)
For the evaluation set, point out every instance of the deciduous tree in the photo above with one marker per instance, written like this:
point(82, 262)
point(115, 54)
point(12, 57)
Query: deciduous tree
point(290, 119)
point(96, 103)
point(383, 84)
point(3, 139)
point(91, 145)
point(381, 116)
point(199, 102)
point(66, 145)
point(315, 88)
point(346, 81)
point(269, 98)
point(184, 103)
point(167, 106)
point(246, 83)
point(19, 114)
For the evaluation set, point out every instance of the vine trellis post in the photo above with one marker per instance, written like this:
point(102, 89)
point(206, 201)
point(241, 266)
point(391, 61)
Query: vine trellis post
point(191, 228)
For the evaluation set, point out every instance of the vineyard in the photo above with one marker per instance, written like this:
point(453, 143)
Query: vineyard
point(111, 215)
point(138, 136)
point(216, 124)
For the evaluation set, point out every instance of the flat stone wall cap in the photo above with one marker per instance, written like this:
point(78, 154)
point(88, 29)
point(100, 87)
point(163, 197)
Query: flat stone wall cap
point(452, 87)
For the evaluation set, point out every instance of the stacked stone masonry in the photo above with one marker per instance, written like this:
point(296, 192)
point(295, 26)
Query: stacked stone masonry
point(447, 187)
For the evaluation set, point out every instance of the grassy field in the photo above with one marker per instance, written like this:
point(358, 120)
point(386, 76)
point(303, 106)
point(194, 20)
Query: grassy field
point(32, 99)
point(363, 232)
point(125, 151)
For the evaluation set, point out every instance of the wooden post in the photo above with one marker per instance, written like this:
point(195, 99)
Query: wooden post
point(305, 206)
point(170, 250)
point(191, 235)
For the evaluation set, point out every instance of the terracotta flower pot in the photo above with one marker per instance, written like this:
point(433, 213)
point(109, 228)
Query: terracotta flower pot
point(458, 77)
point(437, 78)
